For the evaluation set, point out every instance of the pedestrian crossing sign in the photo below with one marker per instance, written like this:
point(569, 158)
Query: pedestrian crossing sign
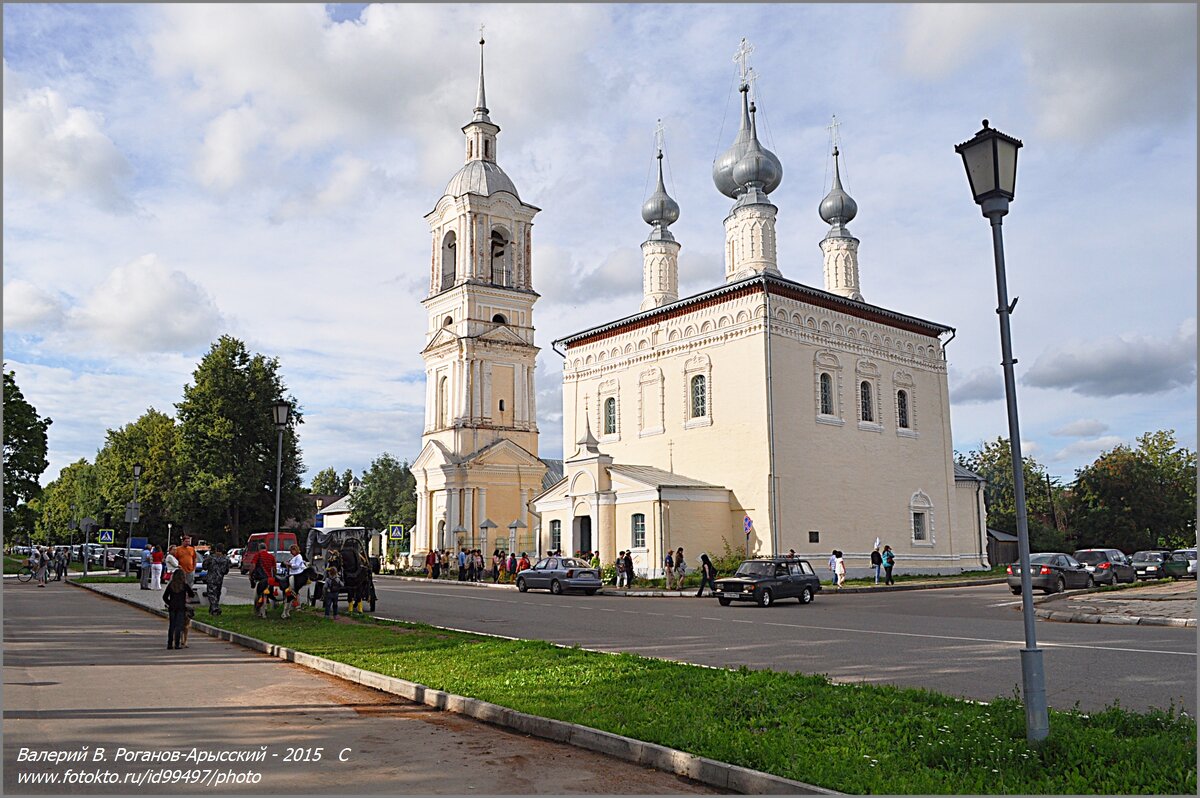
point(106, 536)
point(395, 532)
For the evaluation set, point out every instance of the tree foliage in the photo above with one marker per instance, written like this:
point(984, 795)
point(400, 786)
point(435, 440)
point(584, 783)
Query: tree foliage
point(25, 443)
point(227, 446)
point(151, 441)
point(1138, 498)
point(75, 485)
point(328, 482)
point(993, 462)
point(387, 495)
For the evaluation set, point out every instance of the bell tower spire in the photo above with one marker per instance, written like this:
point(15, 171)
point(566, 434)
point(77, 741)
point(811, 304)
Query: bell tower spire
point(481, 130)
point(840, 248)
point(660, 251)
point(481, 110)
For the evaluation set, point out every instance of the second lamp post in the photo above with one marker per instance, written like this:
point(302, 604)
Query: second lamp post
point(280, 411)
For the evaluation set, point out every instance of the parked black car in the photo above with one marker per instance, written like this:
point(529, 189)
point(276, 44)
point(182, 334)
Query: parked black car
point(764, 581)
point(1107, 566)
point(1052, 572)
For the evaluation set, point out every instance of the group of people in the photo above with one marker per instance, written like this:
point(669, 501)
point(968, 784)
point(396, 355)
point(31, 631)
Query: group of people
point(47, 560)
point(880, 561)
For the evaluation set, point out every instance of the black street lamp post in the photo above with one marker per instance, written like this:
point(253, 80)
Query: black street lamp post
point(280, 411)
point(991, 162)
point(132, 515)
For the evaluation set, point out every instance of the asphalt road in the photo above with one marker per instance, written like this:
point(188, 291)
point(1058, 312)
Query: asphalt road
point(959, 641)
point(82, 671)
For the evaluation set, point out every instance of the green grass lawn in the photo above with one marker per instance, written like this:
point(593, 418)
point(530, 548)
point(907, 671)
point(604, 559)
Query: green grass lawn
point(856, 739)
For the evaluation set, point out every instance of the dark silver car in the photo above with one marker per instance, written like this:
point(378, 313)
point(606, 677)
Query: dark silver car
point(1052, 572)
point(557, 574)
point(1107, 566)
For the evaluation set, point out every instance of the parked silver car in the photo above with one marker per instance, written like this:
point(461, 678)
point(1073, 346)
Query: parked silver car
point(558, 574)
point(1052, 572)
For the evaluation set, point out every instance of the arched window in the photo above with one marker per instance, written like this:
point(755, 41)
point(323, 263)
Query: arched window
point(555, 535)
point(864, 390)
point(499, 319)
point(501, 254)
point(487, 148)
point(637, 532)
point(902, 409)
point(610, 416)
point(448, 250)
point(443, 403)
point(826, 395)
point(699, 396)
point(446, 322)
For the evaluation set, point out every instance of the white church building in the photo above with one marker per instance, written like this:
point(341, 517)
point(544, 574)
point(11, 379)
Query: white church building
point(760, 415)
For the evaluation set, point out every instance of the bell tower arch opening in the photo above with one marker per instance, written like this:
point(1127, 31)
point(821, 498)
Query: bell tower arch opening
point(449, 249)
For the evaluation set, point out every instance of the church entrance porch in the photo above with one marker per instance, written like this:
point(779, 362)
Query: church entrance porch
point(583, 533)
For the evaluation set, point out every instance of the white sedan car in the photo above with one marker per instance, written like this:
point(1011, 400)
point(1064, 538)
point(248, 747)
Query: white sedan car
point(235, 557)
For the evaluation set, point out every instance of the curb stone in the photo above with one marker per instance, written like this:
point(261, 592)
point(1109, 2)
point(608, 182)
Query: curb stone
point(1123, 620)
point(707, 771)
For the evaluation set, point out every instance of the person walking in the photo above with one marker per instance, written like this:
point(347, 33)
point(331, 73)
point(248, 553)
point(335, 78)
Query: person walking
point(876, 562)
point(620, 564)
point(156, 568)
point(446, 563)
point(170, 563)
point(333, 585)
point(840, 570)
point(628, 569)
point(680, 568)
point(669, 569)
point(147, 561)
point(833, 566)
point(435, 564)
point(186, 554)
point(462, 564)
point(262, 569)
point(512, 564)
point(708, 576)
point(297, 576)
point(523, 563)
point(888, 559)
point(176, 598)
point(216, 565)
point(495, 566)
point(39, 561)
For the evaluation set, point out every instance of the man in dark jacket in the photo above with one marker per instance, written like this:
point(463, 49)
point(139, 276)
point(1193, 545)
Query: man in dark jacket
point(876, 562)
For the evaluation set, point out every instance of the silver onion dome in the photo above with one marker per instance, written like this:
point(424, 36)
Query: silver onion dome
point(723, 166)
point(660, 210)
point(838, 208)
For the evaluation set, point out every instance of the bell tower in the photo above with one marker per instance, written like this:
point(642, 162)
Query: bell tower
point(479, 345)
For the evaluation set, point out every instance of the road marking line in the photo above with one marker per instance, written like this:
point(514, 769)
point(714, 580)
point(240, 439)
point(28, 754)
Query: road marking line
point(976, 639)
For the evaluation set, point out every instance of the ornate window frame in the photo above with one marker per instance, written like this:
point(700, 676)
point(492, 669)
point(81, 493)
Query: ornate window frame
point(920, 505)
point(555, 534)
point(699, 365)
point(903, 381)
point(826, 362)
point(866, 371)
point(651, 380)
point(608, 389)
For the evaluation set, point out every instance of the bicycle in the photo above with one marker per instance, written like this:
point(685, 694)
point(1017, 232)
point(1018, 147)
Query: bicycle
point(25, 574)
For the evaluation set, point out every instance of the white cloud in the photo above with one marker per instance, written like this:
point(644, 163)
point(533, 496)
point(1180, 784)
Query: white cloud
point(1081, 428)
point(1086, 450)
point(57, 150)
point(353, 182)
point(230, 141)
point(29, 308)
point(145, 307)
point(1132, 364)
point(983, 384)
point(1088, 71)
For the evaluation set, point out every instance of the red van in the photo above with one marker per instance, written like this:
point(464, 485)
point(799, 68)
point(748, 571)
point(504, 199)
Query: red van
point(286, 541)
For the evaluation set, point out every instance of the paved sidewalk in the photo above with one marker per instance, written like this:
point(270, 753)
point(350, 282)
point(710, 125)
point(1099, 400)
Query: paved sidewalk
point(82, 670)
point(1158, 604)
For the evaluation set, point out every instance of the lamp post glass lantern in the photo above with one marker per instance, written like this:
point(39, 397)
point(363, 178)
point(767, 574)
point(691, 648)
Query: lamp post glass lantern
point(990, 159)
point(281, 410)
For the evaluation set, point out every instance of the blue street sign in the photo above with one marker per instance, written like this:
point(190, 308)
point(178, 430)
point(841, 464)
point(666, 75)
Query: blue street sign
point(395, 532)
point(106, 536)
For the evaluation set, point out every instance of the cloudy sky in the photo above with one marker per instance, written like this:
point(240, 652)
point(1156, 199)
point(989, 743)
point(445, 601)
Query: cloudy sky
point(173, 173)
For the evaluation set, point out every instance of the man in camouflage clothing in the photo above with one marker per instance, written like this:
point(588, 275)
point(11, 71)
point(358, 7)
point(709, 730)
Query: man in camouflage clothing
point(217, 565)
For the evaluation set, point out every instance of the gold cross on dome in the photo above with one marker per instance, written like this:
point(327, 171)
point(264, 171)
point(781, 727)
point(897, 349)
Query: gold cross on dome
point(741, 57)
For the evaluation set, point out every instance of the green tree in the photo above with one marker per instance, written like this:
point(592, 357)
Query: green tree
point(75, 485)
point(1138, 498)
point(993, 462)
point(25, 443)
point(152, 441)
point(227, 446)
point(387, 495)
point(329, 483)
